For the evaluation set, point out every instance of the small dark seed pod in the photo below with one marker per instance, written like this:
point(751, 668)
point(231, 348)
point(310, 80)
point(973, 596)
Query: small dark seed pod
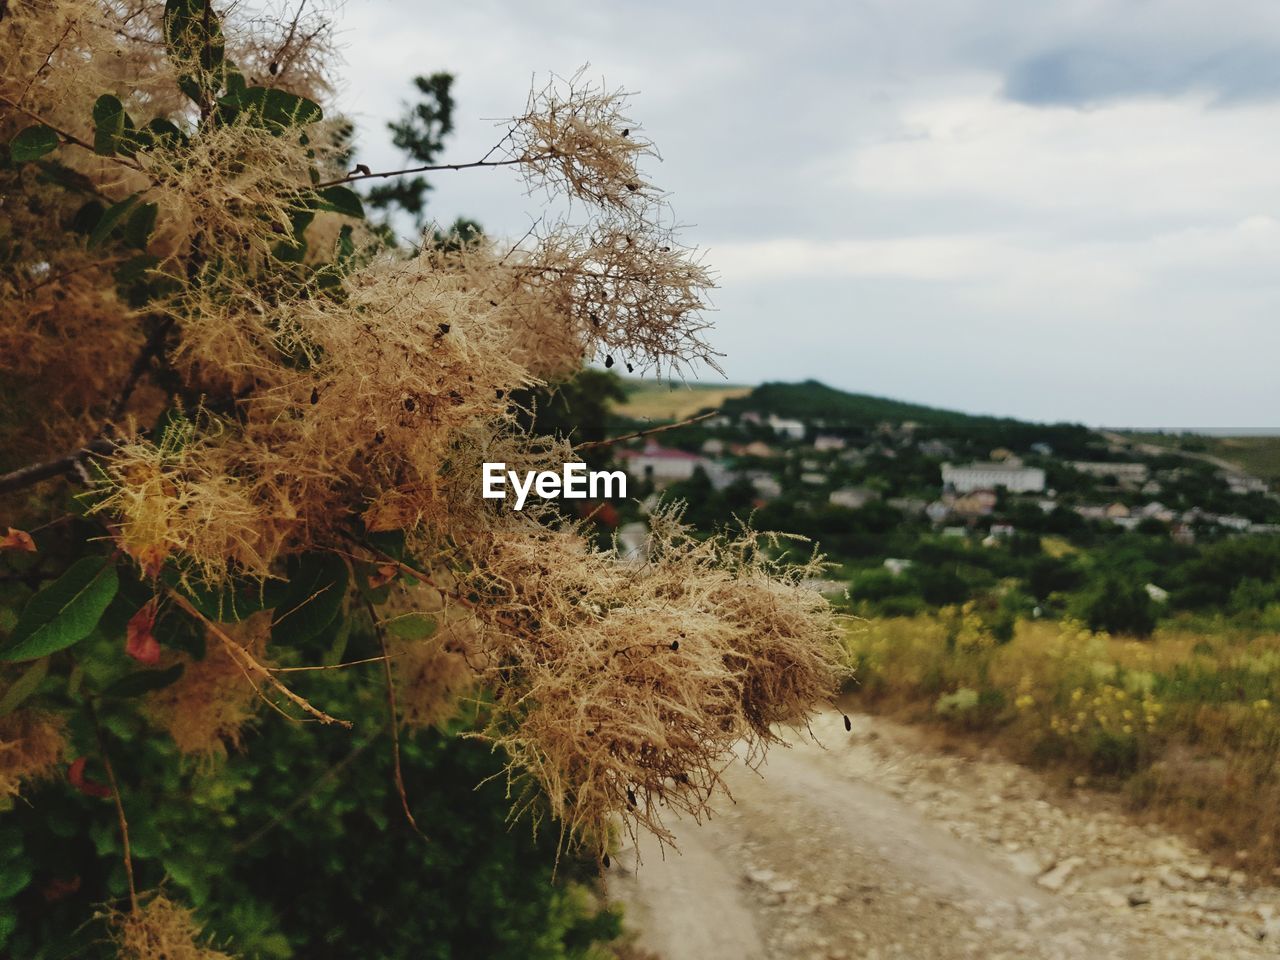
point(500, 393)
point(608, 361)
point(444, 328)
point(315, 396)
point(606, 861)
point(409, 404)
point(848, 724)
point(379, 437)
point(675, 644)
point(631, 797)
point(273, 68)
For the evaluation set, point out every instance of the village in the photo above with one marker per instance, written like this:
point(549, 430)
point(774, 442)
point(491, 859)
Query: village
point(778, 455)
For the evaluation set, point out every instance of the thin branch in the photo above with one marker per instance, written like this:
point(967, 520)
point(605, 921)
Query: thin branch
point(395, 722)
point(36, 472)
point(251, 665)
point(115, 795)
point(64, 134)
point(426, 168)
point(592, 444)
point(150, 350)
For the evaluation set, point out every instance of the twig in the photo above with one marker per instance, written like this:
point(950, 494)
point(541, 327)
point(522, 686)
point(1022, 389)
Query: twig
point(150, 350)
point(426, 168)
point(591, 445)
point(64, 134)
point(394, 722)
point(115, 795)
point(247, 661)
point(36, 472)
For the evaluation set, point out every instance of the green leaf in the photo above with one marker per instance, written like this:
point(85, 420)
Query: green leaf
point(24, 686)
point(342, 200)
point(412, 626)
point(193, 33)
point(143, 681)
point(109, 124)
point(312, 598)
point(87, 217)
point(33, 143)
point(230, 602)
point(110, 220)
point(65, 612)
point(135, 269)
point(14, 877)
point(137, 229)
point(272, 107)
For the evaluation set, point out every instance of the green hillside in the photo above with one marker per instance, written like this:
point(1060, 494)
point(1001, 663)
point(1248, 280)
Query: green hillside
point(813, 401)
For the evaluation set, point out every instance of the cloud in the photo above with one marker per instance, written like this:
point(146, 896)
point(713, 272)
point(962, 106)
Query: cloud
point(1032, 209)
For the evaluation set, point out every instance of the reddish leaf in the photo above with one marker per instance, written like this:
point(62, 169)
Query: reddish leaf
point(140, 642)
point(17, 540)
point(75, 774)
point(383, 575)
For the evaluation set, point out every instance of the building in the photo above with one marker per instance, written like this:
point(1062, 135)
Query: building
point(1243, 484)
point(662, 465)
point(823, 442)
point(852, 498)
point(785, 427)
point(1011, 475)
point(766, 485)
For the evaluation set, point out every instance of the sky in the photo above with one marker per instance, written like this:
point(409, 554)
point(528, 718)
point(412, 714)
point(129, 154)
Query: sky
point(1054, 211)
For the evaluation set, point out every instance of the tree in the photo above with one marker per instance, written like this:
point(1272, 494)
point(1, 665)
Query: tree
point(1119, 606)
point(244, 439)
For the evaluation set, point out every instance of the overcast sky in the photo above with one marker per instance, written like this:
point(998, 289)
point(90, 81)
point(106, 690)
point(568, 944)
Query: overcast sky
point(1065, 210)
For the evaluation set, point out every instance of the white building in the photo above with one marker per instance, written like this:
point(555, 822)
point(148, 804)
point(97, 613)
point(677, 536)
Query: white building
point(1012, 476)
point(854, 498)
point(660, 464)
point(823, 442)
point(784, 427)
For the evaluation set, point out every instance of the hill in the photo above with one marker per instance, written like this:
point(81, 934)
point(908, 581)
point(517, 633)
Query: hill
point(813, 401)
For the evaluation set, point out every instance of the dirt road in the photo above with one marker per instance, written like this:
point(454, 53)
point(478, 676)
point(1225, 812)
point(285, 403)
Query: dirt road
point(878, 847)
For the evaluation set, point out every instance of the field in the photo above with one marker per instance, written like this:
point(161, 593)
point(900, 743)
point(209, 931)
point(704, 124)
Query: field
point(658, 400)
point(1186, 726)
point(1258, 456)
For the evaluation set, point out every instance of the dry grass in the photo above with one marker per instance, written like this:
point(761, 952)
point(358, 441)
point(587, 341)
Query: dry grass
point(1187, 725)
point(658, 401)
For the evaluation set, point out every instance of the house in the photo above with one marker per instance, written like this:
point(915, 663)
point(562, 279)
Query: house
point(824, 442)
point(1116, 511)
point(937, 511)
point(766, 485)
point(1157, 594)
point(785, 427)
point(1011, 475)
point(911, 506)
point(713, 447)
point(852, 498)
point(813, 479)
point(662, 465)
point(1042, 448)
point(754, 449)
point(1242, 484)
point(935, 449)
point(897, 566)
point(979, 503)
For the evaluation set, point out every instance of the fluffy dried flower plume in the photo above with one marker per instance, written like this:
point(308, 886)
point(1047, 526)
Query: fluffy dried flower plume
point(314, 400)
